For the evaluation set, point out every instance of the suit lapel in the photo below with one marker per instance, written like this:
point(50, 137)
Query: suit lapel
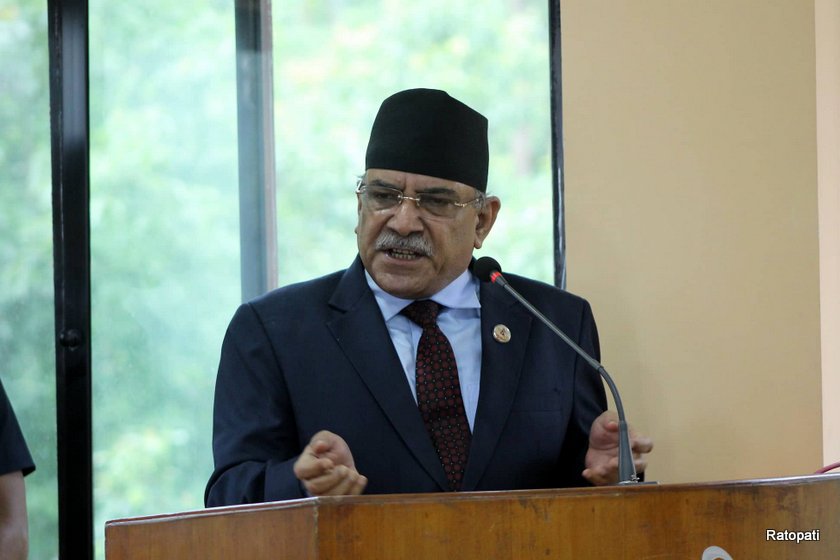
point(501, 367)
point(359, 329)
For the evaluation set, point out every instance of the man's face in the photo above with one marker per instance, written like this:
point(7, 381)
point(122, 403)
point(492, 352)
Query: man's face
point(411, 253)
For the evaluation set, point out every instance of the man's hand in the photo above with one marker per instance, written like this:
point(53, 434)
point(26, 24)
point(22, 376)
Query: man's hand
point(602, 457)
point(326, 467)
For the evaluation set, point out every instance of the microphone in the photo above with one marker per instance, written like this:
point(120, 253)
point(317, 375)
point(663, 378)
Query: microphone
point(488, 270)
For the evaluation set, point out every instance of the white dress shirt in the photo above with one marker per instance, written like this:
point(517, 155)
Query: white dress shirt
point(460, 321)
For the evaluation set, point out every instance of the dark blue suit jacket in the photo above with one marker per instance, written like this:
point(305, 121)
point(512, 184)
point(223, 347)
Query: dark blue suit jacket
point(317, 356)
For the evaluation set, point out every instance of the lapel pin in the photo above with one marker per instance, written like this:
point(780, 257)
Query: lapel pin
point(501, 333)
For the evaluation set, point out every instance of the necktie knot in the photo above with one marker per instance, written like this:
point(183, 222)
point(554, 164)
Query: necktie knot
point(423, 312)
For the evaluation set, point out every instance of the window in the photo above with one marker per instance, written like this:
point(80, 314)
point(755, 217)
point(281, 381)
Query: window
point(334, 63)
point(164, 247)
point(27, 315)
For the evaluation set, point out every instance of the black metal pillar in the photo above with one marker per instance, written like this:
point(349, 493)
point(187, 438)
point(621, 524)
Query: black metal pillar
point(556, 85)
point(255, 120)
point(68, 36)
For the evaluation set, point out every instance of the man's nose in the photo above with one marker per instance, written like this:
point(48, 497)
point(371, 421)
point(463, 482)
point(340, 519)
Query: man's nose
point(406, 218)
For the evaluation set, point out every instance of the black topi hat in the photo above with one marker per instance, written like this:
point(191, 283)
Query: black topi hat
point(428, 132)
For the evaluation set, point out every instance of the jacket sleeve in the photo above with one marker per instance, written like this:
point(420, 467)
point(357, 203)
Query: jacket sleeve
point(255, 439)
point(589, 402)
point(14, 453)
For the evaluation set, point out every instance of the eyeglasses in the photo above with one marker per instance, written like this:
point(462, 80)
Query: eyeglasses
point(441, 205)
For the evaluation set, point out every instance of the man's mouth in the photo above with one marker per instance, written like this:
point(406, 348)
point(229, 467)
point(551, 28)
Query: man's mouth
point(403, 254)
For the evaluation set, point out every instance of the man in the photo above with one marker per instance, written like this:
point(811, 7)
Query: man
point(404, 373)
point(15, 463)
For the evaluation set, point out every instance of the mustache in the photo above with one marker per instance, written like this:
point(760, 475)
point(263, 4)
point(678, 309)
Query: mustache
point(414, 242)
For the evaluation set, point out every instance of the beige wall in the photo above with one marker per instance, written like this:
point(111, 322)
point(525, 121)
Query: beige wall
point(828, 156)
point(692, 224)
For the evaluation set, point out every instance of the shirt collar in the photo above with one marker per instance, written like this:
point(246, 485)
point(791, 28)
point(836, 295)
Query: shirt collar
point(461, 293)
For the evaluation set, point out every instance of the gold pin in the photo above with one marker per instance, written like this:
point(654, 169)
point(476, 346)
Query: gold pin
point(501, 333)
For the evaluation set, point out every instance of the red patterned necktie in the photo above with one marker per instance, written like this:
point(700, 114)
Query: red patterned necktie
point(439, 392)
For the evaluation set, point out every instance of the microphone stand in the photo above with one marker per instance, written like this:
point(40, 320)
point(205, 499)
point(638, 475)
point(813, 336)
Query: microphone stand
point(626, 468)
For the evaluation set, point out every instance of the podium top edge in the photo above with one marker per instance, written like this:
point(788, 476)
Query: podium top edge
point(315, 502)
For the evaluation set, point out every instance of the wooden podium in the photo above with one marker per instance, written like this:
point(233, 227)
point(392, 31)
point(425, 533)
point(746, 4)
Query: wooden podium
point(673, 521)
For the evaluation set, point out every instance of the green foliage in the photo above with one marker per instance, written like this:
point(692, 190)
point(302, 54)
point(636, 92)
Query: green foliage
point(335, 62)
point(164, 249)
point(27, 353)
point(164, 209)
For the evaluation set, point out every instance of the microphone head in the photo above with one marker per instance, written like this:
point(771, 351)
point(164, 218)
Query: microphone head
point(485, 267)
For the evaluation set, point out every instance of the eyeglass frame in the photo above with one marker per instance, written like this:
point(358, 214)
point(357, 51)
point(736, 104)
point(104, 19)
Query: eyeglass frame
point(401, 196)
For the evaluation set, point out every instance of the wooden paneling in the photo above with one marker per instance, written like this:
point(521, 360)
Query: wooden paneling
point(646, 521)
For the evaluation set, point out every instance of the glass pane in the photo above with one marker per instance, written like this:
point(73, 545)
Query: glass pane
point(27, 315)
point(335, 61)
point(165, 246)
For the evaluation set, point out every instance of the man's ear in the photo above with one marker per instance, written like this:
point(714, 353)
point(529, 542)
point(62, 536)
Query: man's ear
point(358, 196)
point(485, 219)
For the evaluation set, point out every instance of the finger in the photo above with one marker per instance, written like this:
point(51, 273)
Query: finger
point(598, 478)
point(328, 444)
point(608, 417)
point(602, 473)
point(323, 441)
point(602, 462)
point(603, 436)
point(323, 485)
point(611, 425)
point(361, 484)
point(339, 458)
point(642, 444)
point(347, 484)
point(320, 446)
point(309, 467)
point(592, 476)
point(603, 439)
point(589, 475)
point(604, 422)
point(640, 464)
